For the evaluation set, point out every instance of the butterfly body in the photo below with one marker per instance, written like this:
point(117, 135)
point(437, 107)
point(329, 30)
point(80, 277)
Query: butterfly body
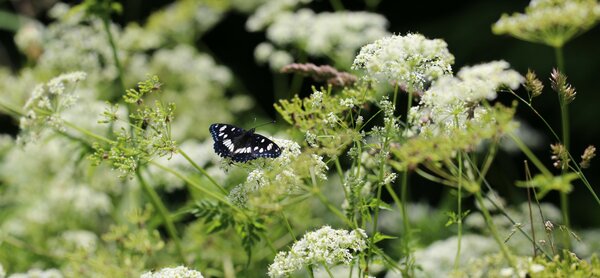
point(241, 145)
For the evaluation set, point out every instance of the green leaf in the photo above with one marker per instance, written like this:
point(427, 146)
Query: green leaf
point(545, 183)
point(379, 237)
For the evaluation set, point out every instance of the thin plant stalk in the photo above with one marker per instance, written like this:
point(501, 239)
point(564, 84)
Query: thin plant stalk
point(564, 117)
point(503, 211)
point(199, 187)
point(528, 176)
point(201, 170)
point(459, 211)
point(492, 228)
point(163, 212)
point(404, 192)
point(113, 48)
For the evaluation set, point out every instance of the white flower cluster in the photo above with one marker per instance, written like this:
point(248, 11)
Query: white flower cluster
point(320, 166)
point(268, 12)
point(63, 49)
point(411, 61)
point(173, 272)
point(316, 99)
point(552, 22)
point(336, 36)
point(348, 102)
point(324, 34)
point(472, 84)
point(47, 101)
point(331, 119)
point(323, 246)
point(452, 101)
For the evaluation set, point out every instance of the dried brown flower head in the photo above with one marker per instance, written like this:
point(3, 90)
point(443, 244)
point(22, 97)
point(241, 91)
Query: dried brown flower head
point(322, 73)
point(560, 156)
point(532, 84)
point(586, 157)
point(559, 85)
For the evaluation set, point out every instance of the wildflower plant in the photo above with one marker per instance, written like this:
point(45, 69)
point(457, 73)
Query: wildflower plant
point(125, 181)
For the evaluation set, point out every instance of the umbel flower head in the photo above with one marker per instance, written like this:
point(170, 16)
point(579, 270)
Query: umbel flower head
point(550, 22)
point(412, 61)
point(47, 102)
point(323, 246)
point(454, 101)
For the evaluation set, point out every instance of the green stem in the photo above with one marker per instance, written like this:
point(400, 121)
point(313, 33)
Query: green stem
point(288, 226)
point(88, 133)
point(586, 182)
point(10, 108)
point(404, 211)
point(331, 207)
point(201, 170)
point(113, 48)
point(492, 228)
point(564, 116)
point(328, 270)
point(537, 114)
point(340, 172)
point(311, 273)
point(164, 213)
point(199, 187)
point(503, 211)
point(530, 154)
point(459, 201)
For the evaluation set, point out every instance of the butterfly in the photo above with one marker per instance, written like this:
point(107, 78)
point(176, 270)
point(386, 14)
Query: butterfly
point(241, 145)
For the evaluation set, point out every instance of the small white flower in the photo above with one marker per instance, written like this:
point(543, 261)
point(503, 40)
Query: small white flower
point(331, 119)
point(290, 148)
point(311, 139)
point(320, 166)
point(389, 178)
point(173, 272)
point(255, 180)
point(348, 102)
point(359, 121)
point(315, 99)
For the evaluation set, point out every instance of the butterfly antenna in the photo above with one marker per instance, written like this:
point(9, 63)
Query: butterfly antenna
point(263, 124)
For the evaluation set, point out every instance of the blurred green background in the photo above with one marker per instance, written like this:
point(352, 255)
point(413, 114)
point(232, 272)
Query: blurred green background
point(464, 25)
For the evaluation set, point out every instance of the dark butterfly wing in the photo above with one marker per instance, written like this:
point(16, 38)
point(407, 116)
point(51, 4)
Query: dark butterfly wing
point(241, 145)
point(224, 136)
point(264, 147)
